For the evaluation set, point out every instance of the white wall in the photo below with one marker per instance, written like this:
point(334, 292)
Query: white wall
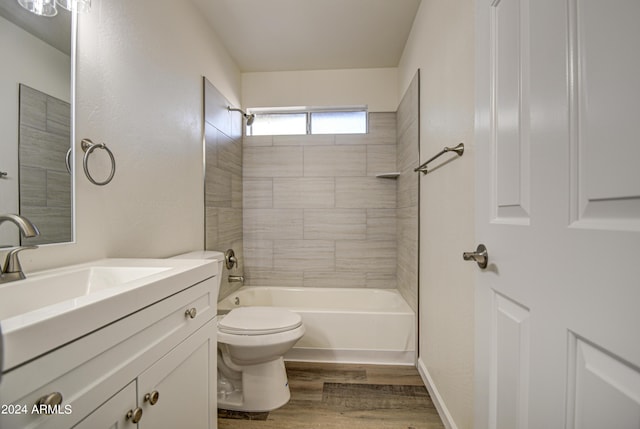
point(441, 45)
point(28, 60)
point(139, 90)
point(377, 88)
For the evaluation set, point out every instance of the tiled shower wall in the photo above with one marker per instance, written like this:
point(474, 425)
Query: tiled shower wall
point(223, 181)
point(315, 214)
point(45, 182)
point(407, 207)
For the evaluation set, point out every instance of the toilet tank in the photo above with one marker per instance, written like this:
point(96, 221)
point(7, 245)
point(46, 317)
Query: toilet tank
point(205, 254)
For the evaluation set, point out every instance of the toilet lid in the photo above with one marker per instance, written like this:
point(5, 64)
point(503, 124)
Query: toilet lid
point(259, 321)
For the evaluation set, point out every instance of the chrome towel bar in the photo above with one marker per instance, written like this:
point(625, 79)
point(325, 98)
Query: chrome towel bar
point(459, 149)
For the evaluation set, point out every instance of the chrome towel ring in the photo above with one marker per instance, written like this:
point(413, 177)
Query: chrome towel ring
point(88, 147)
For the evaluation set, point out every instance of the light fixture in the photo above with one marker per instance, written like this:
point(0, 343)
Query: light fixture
point(75, 5)
point(40, 7)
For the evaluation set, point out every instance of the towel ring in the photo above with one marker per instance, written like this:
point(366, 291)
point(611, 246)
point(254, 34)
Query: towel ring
point(88, 147)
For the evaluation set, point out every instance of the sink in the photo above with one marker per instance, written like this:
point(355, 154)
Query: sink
point(33, 293)
point(51, 308)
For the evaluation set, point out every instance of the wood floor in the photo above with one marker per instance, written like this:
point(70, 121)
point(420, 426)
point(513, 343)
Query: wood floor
point(338, 396)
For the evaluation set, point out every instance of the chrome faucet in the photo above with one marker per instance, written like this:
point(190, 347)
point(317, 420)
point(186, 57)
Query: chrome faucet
point(236, 279)
point(11, 269)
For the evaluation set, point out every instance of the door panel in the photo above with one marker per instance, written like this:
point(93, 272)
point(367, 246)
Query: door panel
point(604, 113)
point(603, 390)
point(510, 369)
point(558, 97)
point(510, 127)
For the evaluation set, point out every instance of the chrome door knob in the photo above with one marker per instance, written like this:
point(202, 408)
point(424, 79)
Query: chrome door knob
point(481, 256)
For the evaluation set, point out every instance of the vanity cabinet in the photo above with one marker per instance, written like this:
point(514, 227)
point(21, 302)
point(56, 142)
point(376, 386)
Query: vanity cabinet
point(155, 368)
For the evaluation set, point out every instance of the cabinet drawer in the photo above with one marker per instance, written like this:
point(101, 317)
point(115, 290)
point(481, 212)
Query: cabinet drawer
point(95, 367)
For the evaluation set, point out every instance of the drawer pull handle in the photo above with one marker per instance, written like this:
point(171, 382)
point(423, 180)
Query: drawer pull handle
point(152, 398)
point(191, 313)
point(134, 415)
point(47, 403)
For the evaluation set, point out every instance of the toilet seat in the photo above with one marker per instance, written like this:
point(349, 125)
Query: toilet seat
point(259, 321)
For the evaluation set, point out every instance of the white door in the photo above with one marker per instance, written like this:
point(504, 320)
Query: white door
point(558, 208)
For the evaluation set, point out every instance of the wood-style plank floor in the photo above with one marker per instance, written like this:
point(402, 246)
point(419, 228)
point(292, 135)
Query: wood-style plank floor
point(340, 396)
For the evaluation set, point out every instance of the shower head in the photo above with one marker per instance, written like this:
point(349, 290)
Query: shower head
point(249, 117)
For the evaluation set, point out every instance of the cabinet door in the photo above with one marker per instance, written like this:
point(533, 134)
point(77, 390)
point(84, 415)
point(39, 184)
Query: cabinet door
point(182, 384)
point(112, 414)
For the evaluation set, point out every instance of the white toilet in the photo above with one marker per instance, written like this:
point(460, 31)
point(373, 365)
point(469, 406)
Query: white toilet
point(251, 345)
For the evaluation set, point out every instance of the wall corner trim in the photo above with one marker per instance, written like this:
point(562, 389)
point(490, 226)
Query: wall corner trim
point(443, 412)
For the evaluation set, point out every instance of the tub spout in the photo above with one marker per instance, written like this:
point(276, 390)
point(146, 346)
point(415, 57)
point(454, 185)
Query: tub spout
point(236, 279)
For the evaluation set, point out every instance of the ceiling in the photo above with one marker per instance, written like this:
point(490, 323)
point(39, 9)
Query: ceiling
point(287, 35)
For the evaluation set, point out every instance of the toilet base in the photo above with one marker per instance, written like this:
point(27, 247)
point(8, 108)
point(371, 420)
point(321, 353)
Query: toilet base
point(264, 387)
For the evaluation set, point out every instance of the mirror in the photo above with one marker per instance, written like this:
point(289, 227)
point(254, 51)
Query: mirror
point(36, 124)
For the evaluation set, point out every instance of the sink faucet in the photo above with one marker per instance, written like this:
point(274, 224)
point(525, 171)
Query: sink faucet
point(11, 269)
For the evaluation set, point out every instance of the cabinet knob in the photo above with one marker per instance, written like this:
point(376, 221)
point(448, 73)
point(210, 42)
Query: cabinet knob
point(191, 313)
point(134, 415)
point(152, 398)
point(48, 402)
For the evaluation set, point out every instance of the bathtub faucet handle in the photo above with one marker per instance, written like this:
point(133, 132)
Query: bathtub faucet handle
point(230, 259)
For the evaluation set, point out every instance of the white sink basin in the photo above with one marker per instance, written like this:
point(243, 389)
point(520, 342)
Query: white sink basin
point(53, 307)
point(33, 293)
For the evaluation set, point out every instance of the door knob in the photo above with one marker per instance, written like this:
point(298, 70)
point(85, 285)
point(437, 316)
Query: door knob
point(481, 256)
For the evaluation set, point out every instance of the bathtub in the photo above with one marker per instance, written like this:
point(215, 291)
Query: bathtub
point(346, 325)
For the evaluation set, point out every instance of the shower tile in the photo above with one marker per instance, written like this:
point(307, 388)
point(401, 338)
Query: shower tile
point(303, 193)
point(335, 224)
point(259, 252)
point(306, 140)
point(408, 155)
point(258, 141)
point(211, 227)
point(332, 161)
point(258, 193)
point(273, 224)
point(408, 189)
point(381, 159)
point(260, 277)
point(374, 256)
point(58, 189)
point(334, 279)
point(229, 154)
point(382, 280)
point(236, 191)
point(217, 187)
point(229, 227)
point(381, 224)
point(33, 186)
point(365, 192)
point(303, 255)
point(283, 161)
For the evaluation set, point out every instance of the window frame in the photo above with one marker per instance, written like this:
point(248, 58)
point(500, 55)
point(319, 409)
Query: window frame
point(308, 111)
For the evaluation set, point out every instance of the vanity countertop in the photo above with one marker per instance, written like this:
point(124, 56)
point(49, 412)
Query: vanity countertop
point(54, 307)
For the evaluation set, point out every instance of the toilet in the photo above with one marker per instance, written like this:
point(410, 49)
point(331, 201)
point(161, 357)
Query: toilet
point(251, 345)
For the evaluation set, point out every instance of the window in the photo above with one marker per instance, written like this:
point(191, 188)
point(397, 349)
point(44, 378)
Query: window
point(308, 121)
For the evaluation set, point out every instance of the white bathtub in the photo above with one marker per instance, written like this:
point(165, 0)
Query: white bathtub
point(342, 325)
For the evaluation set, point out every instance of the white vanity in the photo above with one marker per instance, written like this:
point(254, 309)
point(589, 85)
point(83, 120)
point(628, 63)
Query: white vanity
point(113, 343)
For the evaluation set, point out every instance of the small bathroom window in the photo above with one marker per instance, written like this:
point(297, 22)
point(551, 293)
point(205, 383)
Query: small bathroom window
point(292, 121)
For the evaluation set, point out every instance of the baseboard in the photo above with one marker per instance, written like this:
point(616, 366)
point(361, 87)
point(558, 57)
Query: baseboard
point(435, 397)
